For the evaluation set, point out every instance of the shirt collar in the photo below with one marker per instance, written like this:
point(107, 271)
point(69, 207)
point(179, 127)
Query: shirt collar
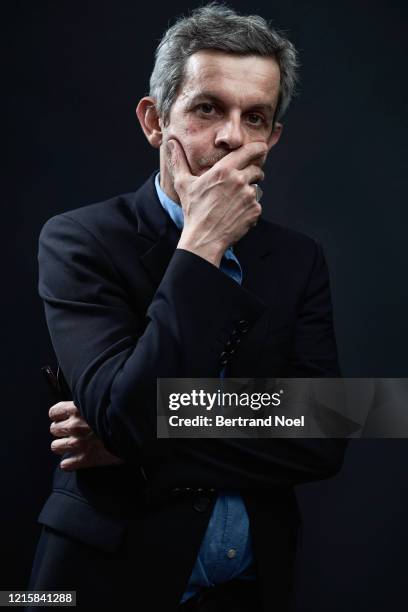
point(172, 208)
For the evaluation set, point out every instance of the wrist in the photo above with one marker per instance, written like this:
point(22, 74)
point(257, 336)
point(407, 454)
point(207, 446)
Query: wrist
point(211, 251)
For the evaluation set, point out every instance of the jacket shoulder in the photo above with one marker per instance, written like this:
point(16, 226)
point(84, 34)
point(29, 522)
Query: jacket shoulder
point(99, 218)
point(289, 239)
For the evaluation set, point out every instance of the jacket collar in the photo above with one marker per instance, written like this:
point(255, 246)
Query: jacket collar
point(156, 228)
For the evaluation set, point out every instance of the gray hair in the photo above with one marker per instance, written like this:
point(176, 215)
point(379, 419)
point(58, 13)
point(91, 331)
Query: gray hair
point(216, 26)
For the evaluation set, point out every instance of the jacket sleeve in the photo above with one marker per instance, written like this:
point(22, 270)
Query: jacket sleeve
point(111, 356)
point(294, 460)
point(315, 350)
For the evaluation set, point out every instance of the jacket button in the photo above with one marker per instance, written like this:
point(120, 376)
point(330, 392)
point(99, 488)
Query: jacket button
point(201, 503)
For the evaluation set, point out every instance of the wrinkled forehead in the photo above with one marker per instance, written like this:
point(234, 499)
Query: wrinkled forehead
point(250, 78)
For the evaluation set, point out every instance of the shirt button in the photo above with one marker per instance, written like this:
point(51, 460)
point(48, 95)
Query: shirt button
point(231, 553)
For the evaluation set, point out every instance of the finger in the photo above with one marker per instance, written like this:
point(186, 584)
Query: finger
point(69, 444)
point(71, 426)
point(253, 174)
point(84, 460)
point(62, 410)
point(179, 167)
point(241, 157)
point(257, 210)
point(61, 430)
point(90, 453)
point(255, 221)
point(88, 458)
point(75, 462)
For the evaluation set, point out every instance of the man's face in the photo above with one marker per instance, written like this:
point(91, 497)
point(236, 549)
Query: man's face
point(225, 102)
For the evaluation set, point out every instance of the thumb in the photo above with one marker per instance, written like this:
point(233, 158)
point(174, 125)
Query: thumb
point(178, 164)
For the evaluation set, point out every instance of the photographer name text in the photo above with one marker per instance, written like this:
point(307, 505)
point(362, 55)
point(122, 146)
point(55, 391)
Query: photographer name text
point(221, 421)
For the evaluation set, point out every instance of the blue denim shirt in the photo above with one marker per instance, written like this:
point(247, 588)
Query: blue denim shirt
point(226, 550)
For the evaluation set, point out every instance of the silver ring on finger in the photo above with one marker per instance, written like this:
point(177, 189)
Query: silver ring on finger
point(258, 191)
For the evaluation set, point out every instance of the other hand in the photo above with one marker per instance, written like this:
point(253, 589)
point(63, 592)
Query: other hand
point(73, 435)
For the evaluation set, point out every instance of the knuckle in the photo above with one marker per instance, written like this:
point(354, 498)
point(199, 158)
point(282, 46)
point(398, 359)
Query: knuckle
point(219, 173)
point(58, 449)
point(71, 408)
point(55, 408)
point(74, 443)
point(240, 180)
point(255, 211)
point(260, 147)
point(178, 183)
point(249, 193)
point(62, 409)
point(74, 422)
point(80, 458)
point(52, 428)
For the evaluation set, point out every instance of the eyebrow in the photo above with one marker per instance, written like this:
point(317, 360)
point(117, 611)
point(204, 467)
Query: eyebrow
point(213, 97)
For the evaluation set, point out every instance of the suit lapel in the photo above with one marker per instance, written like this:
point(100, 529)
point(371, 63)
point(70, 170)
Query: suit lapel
point(156, 259)
point(157, 229)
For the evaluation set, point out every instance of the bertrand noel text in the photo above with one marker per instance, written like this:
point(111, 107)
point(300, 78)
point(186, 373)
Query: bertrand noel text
point(221, 421)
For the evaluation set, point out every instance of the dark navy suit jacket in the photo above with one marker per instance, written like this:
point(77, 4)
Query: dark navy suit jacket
point(123, 307)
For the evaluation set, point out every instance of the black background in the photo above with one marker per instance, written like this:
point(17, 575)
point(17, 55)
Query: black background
point(74, 72)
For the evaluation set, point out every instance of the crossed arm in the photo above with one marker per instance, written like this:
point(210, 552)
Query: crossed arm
point(109, 360)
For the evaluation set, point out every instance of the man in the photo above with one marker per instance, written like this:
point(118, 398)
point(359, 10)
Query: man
point(184, 279)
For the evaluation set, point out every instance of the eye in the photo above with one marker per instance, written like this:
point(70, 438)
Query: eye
point(255, 119)
point(205, 108)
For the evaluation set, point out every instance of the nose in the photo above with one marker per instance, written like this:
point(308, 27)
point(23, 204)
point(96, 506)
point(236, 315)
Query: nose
point(229, 134)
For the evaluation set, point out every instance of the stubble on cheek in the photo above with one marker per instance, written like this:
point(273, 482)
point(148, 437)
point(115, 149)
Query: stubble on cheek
point(193, 137)
point(190, 141)
point(200, 156)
